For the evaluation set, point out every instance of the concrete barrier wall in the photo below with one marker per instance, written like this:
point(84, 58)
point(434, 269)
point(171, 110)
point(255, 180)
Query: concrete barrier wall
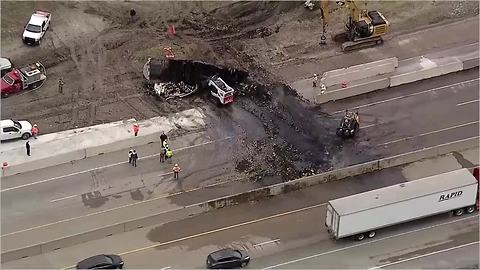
point(43, 162)
point(438, 150)
point(353, 90)
point(83, 237)
point(62, 242)
point(21, 253)
point(253, 195)
point(122, 144)
point(425, 73)
point(470, 63)
point(359, 72)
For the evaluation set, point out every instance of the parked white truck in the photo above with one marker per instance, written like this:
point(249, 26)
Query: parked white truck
point(360, 215)
point(36, 27)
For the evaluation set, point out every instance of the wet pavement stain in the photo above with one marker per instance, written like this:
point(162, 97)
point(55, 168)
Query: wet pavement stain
point(463, 161)
point(93, 199)
point(137, 195)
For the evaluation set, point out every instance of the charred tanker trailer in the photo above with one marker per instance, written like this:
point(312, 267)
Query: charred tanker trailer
point(192, 76)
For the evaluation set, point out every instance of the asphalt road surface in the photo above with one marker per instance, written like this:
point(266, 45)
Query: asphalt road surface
point(413, 116)
point(65, 199)
point(299, 239)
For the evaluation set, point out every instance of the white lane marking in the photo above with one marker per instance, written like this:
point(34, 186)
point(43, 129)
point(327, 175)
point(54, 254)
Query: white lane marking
point(106, 166)
point(428, 133)
point(424, 255)
point(128, 205)
point(405, 96)
point(467, 102)
point(220, 229)
point(63, 198)
point(165, 268)
point(371, 125)
point(369, 242)
point(267, 242)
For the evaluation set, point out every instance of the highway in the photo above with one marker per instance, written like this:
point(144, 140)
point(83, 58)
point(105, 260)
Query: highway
point(299, 239)
point(412, 116)
point(70, 198)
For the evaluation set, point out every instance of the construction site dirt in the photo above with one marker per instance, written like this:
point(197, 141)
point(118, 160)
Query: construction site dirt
point(99, 51)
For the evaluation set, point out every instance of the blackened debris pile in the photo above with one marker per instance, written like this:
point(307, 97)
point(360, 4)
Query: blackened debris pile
point(189, 72)
point(170, 78)
point(171, 90)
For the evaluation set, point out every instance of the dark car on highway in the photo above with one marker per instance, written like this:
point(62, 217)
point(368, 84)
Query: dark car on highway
point(101, 262)
point(227, 259)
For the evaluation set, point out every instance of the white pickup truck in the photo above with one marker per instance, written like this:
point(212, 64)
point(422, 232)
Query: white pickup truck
point(36, 27)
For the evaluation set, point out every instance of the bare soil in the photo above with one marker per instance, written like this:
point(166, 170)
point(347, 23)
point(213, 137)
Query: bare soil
point(99, 52)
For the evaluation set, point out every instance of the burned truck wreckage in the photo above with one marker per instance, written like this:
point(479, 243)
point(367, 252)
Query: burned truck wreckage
point(168, 78)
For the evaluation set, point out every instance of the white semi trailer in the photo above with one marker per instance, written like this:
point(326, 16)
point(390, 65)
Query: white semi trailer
point(360, 215)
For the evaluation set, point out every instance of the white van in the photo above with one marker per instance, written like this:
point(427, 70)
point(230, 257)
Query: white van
point(10, 129)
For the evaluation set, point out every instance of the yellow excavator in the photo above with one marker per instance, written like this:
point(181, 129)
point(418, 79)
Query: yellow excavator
point(363, 28)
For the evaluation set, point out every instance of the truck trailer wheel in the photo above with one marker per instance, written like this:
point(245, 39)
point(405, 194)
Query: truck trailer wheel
point(458, 212)
point(471, 209)
point(360, 237)
point(371, 234)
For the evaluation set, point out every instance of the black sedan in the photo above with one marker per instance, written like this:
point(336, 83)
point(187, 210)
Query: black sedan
point(101, 262)
point(227, 259)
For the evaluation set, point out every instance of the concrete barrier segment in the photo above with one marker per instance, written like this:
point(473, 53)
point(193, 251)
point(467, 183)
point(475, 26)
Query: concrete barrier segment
point(21, 253)
point(359, 72)
point(42, 162)
point(73, 145)
point(427, 71)
point(355, 89)
point(470, 60)
point(428, 152)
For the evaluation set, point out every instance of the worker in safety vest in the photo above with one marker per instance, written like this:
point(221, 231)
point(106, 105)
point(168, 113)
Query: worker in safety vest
point(35, 131)
point(169, 153)
point(176, 171)
point(136, 128)
point(165, 144)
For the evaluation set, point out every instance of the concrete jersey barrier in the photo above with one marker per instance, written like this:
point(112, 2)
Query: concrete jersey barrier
point(354, 89)
point(374, 75)
point(74, 145)
point(249, 196)
point(359, 72)
point(428, 69)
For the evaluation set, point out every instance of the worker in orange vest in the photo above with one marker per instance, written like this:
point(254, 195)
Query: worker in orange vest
point(136, 128)
point(176, 170)
point(35, 131)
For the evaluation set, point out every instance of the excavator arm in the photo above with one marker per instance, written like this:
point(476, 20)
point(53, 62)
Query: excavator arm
point(325, 12)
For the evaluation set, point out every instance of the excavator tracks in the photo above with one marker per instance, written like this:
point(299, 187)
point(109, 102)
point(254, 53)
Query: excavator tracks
point(355, 45)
